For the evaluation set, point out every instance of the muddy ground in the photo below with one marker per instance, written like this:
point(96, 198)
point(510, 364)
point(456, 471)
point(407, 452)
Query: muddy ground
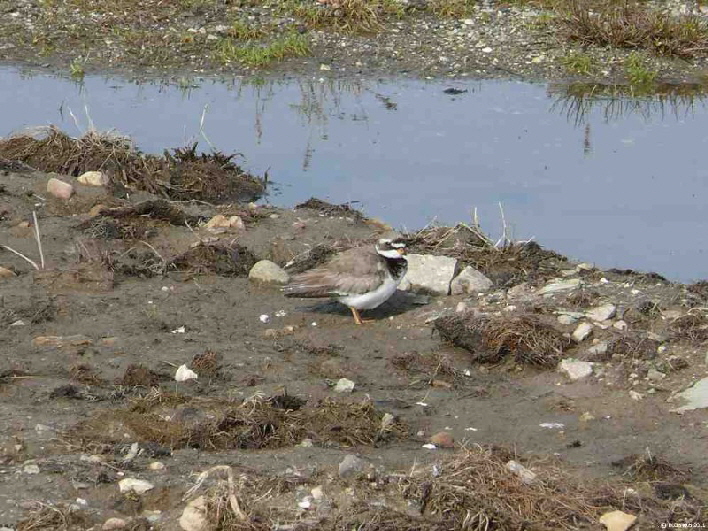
point(525, 39)
point(92, 340)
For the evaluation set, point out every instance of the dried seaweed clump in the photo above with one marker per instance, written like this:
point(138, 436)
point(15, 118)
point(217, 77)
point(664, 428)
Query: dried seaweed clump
point(328, 209)
point(692, 327)
point(256, 423)
point(528, 338)
point(183, 174)
point(230, 260)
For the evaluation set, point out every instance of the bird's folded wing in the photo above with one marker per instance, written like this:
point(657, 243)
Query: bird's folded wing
point(352, 272)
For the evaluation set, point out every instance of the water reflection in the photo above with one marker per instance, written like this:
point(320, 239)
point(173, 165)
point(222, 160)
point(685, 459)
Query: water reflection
point(577, 101)
point(587, 170)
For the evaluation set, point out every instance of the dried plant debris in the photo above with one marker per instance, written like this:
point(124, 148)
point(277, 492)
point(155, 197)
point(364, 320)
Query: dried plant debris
point(649, 467)
point(328, 209)
point(632, 346)
point(528, 338)
point(182, 174)
point(140, 261)
point(226, 260)
point(700, 289)
point(207, 364)
point(211, 177)
point(52, 517)
point(506, 265)
point(86, 374)
point(473, 489)
point(139, 375)
point(259, 422)
point(692, 327)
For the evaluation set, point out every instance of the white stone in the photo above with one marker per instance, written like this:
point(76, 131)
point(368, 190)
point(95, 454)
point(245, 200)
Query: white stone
point(93, 178)
point(268, 272)
point(429, 274)
point(602, 313)
point(344, 385)
point(696, 396)
point(636, 396)
point(582, 332)
point(31, 468)
point(527, 476)
point(470, 280)
point(156, 465)
point(575, 370)
point(6, 273)
point(620, 325)
point(617, 521)
point(461, 307)
point(59, 189)
point(222, 222)
point(138, 486)
point(112, 524)
point(194, 515)
point(557, 286)
point(183, 374)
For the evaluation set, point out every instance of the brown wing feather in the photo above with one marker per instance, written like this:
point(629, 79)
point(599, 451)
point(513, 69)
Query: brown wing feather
point(353, 271)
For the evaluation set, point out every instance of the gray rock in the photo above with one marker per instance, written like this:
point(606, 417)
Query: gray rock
point(557, 286)
point(470, 281)
point(598, 351)
point(429, 274)
point(344, 385)
point(582, 332)
point(566, 318)
point(351, 465)
point(696, 396)
point(113, 524)
point(575, 370)
point(268, 272)
point(602, 313)
point(654, 375)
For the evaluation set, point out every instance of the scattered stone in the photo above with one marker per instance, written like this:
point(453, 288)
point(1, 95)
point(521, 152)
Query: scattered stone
point(635, 396)
point(654, 375)
point(344, 385)
point(575, 370)
point(598, 352)
point(461, 307)
point(183, 374)
point(194, 515)
point(31, 468)
point(113, 524)
point(617, 521)
point(222, 222)
point(527, 476)
point(470, 280)
point(268, 272)
point(696, 396)
point(587, 417)
point(156, 465)
point(6, 273)
point(620, 325)
point(264, 318)
point(582, 332)
point(443, 439)
point(568, 318)
point(59, 189)
point(138, 486)
point(429, 274)
point(557, 286)
point(93, 178)
point(351, 465)
point(602, 313)
point(552, 425)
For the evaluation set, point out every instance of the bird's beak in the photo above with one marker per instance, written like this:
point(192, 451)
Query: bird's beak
point(402, 251)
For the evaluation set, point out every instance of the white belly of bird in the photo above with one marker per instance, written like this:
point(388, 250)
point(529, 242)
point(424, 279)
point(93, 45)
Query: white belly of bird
point(367, 301)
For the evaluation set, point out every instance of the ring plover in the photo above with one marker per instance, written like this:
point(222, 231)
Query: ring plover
point(362, 278)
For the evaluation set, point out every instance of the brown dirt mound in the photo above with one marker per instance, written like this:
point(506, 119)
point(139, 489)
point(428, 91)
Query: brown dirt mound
point(254, 424)
point(227, 260)
point(528, 338)
point(139, 375)
point(182, 174)
point(648, 467)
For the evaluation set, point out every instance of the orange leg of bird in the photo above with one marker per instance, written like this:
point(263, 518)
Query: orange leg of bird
point(357, 317)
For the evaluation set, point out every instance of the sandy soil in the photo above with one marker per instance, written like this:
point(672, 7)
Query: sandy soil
point(125, 319)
